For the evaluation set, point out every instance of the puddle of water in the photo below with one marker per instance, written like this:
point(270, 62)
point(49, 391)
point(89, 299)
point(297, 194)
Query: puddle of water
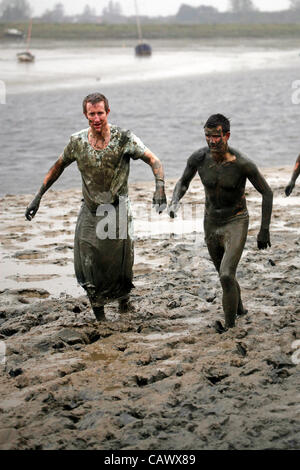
point(279, 225)
point(268, 310)
point(163, 336)
point(195, 320)
point(286, 201)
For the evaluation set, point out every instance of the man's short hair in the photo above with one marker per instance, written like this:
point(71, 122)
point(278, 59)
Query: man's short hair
point(218, 120)
point(95, 98)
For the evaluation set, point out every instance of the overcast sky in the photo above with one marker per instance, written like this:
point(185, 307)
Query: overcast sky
point(148, 7)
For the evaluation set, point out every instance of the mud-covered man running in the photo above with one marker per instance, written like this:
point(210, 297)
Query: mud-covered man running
point(103, 265)
point(224, 172)
point(296, 172)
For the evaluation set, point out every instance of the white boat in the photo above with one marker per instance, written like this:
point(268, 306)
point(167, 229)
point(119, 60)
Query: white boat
point(26, 56)
point(14, 33)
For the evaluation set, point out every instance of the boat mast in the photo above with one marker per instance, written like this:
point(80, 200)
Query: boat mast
point(29, 35)
point(138, 23)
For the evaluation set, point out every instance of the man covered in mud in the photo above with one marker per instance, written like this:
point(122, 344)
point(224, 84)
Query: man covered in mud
point(289, 188)
point(223, 172)
point(103, 264)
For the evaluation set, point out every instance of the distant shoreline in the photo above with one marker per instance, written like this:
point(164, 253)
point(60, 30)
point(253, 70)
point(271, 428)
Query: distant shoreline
point(71, 31)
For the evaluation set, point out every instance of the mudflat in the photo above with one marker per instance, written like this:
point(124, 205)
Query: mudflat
point(158, 377)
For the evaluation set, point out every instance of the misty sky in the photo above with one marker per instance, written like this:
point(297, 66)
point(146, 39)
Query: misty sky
point(148, 7)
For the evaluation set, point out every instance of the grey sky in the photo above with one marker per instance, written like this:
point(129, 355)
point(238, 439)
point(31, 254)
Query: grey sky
point(148, 7)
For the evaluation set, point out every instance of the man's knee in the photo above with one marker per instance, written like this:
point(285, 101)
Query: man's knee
point(227, 279)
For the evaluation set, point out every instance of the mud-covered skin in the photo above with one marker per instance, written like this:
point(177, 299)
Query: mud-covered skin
point(289, 188)
point(224, 184)
point(224, 172)
point(52, 175)
point(225, 245)
point(159, 198)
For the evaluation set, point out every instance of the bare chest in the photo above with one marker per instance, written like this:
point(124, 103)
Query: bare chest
point(227, 176)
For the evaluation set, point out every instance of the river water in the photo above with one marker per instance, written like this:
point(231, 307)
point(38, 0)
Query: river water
point(165, 100)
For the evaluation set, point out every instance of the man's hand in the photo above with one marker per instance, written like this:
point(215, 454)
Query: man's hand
point(33, 207)
point(172, 209)
point(159, 199)
point(288, 190)
point(263, 239)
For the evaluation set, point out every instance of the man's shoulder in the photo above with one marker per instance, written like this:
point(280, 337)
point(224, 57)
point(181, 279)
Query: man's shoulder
point(80, 134)
point(119, 130)
point(241, 157)
point(198, 156)
point(122, 135)
point(243, 161)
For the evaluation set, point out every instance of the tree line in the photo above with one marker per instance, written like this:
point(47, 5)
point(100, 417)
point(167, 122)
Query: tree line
point(239, 11)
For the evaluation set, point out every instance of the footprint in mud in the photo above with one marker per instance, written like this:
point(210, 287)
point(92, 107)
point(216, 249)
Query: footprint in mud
point(9, 297)
point(39, 293)
point(142, 268)
point(56, 233)
point(29, 254)
point(32, 278)
point(16, 228)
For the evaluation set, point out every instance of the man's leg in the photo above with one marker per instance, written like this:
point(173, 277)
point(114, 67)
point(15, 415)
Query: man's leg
point(240, 311)
point(216, 252)
point(125, 305)
point(99, 313)
point(235, 235)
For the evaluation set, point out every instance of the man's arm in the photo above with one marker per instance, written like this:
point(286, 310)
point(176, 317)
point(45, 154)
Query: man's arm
point(182, 187)
point(159, 197)
point(260, 184)
point(295, 175)
point(52, 175)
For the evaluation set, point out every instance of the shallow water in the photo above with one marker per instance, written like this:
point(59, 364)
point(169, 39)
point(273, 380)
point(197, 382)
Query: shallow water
point(165, 100)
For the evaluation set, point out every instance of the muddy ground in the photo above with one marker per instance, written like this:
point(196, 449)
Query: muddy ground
point(159, 377)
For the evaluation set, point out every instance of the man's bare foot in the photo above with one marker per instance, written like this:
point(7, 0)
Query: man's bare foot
point(241, 313)
point(219, 327)
point(125, 306)
point(99, 313)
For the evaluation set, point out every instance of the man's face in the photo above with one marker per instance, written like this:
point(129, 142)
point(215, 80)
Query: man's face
point(96, 115)
point(216, 140)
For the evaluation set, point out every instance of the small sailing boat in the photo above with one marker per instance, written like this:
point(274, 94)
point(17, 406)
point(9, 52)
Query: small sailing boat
point(13, 33)
point(143, 49)
point(26, 56)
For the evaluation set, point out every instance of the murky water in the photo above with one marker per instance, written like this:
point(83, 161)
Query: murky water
point(165, 100)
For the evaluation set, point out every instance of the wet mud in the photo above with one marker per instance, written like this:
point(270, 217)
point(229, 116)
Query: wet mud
point(158, 377)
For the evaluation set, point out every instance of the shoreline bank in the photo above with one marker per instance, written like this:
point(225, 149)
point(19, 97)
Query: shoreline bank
point(69, 31)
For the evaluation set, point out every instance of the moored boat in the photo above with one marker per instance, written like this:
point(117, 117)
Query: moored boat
point(142, 49)
point(25, 56)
